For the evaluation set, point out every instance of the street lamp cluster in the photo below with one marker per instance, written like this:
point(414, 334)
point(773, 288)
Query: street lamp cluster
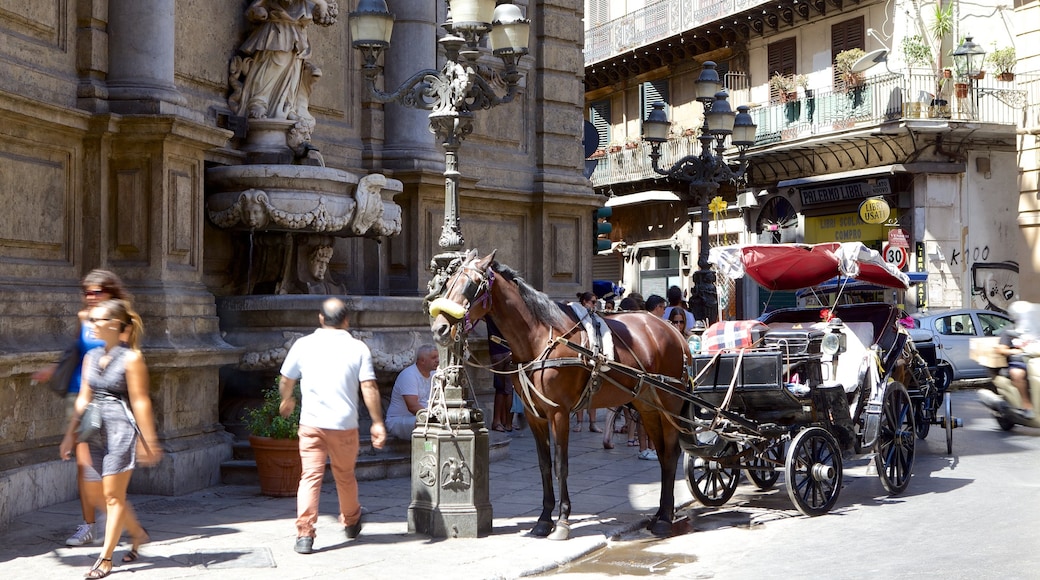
point(703, 173)
point(452, 434)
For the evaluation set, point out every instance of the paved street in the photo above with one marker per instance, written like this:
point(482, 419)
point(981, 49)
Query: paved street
point(973, 515)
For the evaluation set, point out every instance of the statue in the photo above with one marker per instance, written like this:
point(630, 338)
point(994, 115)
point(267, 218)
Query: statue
point(273, 76)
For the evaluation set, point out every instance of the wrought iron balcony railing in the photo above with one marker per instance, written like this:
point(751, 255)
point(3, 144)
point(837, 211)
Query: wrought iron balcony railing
point(883, 99)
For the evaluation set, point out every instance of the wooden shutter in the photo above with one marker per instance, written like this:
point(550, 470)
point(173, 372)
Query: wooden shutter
point(599, 116)
point(650, 93)
point(598, 13)
point(844, 36)
point(782, 57)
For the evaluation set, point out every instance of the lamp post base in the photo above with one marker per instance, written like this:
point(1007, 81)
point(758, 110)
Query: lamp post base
point(450, 476)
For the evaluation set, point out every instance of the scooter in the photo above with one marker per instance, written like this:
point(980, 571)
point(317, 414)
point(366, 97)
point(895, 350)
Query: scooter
point(1006, 398)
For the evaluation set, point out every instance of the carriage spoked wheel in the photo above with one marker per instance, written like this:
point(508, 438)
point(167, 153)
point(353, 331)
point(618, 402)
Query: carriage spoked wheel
point(768, 463)
point(813, 471)
point(894, 449)
point(712, 480)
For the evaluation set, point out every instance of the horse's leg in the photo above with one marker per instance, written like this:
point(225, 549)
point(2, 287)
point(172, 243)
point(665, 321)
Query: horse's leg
point(666, 439)
point(561, 422)
point(540, 432)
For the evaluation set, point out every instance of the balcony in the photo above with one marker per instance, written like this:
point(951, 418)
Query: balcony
point(892, 98)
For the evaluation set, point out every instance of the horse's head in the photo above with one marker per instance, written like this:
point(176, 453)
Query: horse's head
point(466, 296)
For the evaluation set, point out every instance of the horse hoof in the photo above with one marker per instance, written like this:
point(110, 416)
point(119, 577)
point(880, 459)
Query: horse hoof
point(661, 528)
point(542, 529)
point(562, 532)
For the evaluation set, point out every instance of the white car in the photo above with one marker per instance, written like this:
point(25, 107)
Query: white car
point(952, 330)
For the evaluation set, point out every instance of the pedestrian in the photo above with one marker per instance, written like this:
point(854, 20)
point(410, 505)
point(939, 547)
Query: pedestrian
point(501, 360)
point(115, 385)
point(676, 302)
point(98, 286)
point(411, 392)
point(332, 367)
point(656, 305)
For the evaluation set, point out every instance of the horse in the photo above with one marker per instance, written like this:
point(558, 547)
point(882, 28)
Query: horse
point(554, 379)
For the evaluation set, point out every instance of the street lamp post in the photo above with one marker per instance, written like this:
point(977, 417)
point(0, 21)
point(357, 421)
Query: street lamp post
point(450, 442)
point(968, 57)
point(704, 173)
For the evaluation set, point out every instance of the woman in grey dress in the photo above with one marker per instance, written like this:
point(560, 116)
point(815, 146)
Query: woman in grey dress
point(116, 379)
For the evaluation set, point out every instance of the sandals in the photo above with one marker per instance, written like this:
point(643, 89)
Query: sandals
point(97, 572)
point(594, 428)
point(633, 443)
point(498, 427)
point(133, 554)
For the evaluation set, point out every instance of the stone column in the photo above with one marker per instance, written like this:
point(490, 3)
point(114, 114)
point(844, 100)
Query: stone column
point(141, 42)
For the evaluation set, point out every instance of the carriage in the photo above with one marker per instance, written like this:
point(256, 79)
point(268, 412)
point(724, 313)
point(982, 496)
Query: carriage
point(801, 395)
point(817, 388)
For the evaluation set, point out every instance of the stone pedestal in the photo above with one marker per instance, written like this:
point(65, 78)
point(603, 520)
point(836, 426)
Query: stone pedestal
point(450, 471)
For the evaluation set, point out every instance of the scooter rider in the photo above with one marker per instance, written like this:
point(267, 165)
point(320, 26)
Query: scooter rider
point(1013, 340)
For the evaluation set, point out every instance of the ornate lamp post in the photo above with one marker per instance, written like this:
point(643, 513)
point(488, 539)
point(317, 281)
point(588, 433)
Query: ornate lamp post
point(704, 173)
point(449, 444)
point(968, 57)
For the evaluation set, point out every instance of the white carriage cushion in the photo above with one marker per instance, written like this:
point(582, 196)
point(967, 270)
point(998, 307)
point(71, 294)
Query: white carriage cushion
point(600, 336)
point(859, 336)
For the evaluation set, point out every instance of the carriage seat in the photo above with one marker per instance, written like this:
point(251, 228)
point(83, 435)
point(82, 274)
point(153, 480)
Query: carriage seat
point(859, 337)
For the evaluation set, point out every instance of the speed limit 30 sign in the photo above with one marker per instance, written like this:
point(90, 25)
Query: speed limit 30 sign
point(894, 255)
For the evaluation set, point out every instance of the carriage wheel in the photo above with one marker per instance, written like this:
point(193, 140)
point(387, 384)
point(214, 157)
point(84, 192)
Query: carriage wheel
point(813, 471)
point(709, 480)
point(922, 418)
point(894, 449)
point(949, 420)
point(766, 477)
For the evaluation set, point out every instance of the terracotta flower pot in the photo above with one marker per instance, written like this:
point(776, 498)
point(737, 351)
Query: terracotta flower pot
point(1006, 77)
point(961, 90)
point(278, 465)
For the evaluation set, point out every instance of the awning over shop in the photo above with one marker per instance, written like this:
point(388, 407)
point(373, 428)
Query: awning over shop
point(655, 195)
point(879, 171)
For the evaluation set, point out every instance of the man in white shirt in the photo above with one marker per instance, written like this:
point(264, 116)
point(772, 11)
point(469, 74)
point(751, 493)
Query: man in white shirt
point(411, 392)
point(331, 366)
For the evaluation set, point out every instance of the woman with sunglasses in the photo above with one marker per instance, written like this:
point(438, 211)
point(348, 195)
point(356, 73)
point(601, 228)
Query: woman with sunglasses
point(115, 379)
point(98, 286)
point(677, 318)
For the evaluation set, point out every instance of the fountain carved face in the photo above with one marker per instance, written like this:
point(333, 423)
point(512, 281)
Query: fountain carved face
point(253, 207)
point(319, 261)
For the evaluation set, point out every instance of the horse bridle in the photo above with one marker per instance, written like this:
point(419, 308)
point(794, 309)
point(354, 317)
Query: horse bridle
point(476, 291)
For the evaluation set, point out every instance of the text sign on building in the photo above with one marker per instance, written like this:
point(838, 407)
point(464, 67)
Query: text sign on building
point(898, 238)
point(844, 192)
point(843, 227)
point(874, 211)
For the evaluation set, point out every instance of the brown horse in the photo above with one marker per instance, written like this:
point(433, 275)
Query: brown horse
point(557, 380)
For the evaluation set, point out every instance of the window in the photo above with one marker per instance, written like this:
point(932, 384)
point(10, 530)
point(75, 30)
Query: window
point(782, 57)
point(599, 116)
point(845, 36)
point(992, 324)
point(598, 12)
point(653, 92)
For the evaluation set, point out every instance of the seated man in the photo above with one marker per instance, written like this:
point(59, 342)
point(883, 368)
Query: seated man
point(411, 392)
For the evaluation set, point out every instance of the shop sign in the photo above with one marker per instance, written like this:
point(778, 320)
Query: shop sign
point(898, 238)
point(844, 192)
point(874, 211)
point(842, 227)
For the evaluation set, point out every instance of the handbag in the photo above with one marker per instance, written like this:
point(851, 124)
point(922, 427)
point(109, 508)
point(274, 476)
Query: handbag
point(62, 376)
point(89, 423)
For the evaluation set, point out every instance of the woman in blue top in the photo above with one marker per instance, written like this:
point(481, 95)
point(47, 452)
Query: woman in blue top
point(98, 286)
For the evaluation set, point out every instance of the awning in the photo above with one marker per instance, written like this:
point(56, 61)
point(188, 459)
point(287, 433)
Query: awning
point(655, 195)
point(893, 169)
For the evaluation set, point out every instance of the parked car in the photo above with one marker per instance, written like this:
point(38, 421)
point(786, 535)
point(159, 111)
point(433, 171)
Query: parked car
point(953, 329)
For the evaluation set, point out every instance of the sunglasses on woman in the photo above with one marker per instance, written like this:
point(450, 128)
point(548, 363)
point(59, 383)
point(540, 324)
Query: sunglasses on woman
point(678, 322)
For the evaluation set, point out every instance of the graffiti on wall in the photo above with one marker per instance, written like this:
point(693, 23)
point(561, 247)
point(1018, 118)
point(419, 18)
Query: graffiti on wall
point(994, 285)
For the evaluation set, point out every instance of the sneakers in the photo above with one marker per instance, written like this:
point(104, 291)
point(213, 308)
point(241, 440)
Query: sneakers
point(353, 531)
point(304, 545)
point(648, 454)
point(84, 535)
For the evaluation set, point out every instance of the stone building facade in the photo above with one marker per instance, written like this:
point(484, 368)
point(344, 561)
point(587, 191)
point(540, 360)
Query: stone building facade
point(111, 113)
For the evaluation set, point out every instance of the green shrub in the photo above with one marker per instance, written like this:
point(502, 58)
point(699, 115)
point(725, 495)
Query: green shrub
point(265, 421)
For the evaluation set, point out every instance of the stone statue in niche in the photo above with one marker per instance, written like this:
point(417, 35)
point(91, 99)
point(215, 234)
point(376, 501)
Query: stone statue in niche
point(272, 76)
point(306, 268)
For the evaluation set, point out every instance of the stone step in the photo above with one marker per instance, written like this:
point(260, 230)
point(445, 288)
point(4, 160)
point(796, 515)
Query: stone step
point(394, 460)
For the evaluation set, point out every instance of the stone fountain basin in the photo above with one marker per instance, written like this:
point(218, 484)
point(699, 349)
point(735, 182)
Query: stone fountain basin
point(298, 198)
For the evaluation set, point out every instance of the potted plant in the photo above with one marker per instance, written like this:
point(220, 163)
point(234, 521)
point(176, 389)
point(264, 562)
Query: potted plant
point(1003, 60)
point(916, 51)
point(276, 444)
point(786, 86)
point(843, 67)
point(941, 27)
